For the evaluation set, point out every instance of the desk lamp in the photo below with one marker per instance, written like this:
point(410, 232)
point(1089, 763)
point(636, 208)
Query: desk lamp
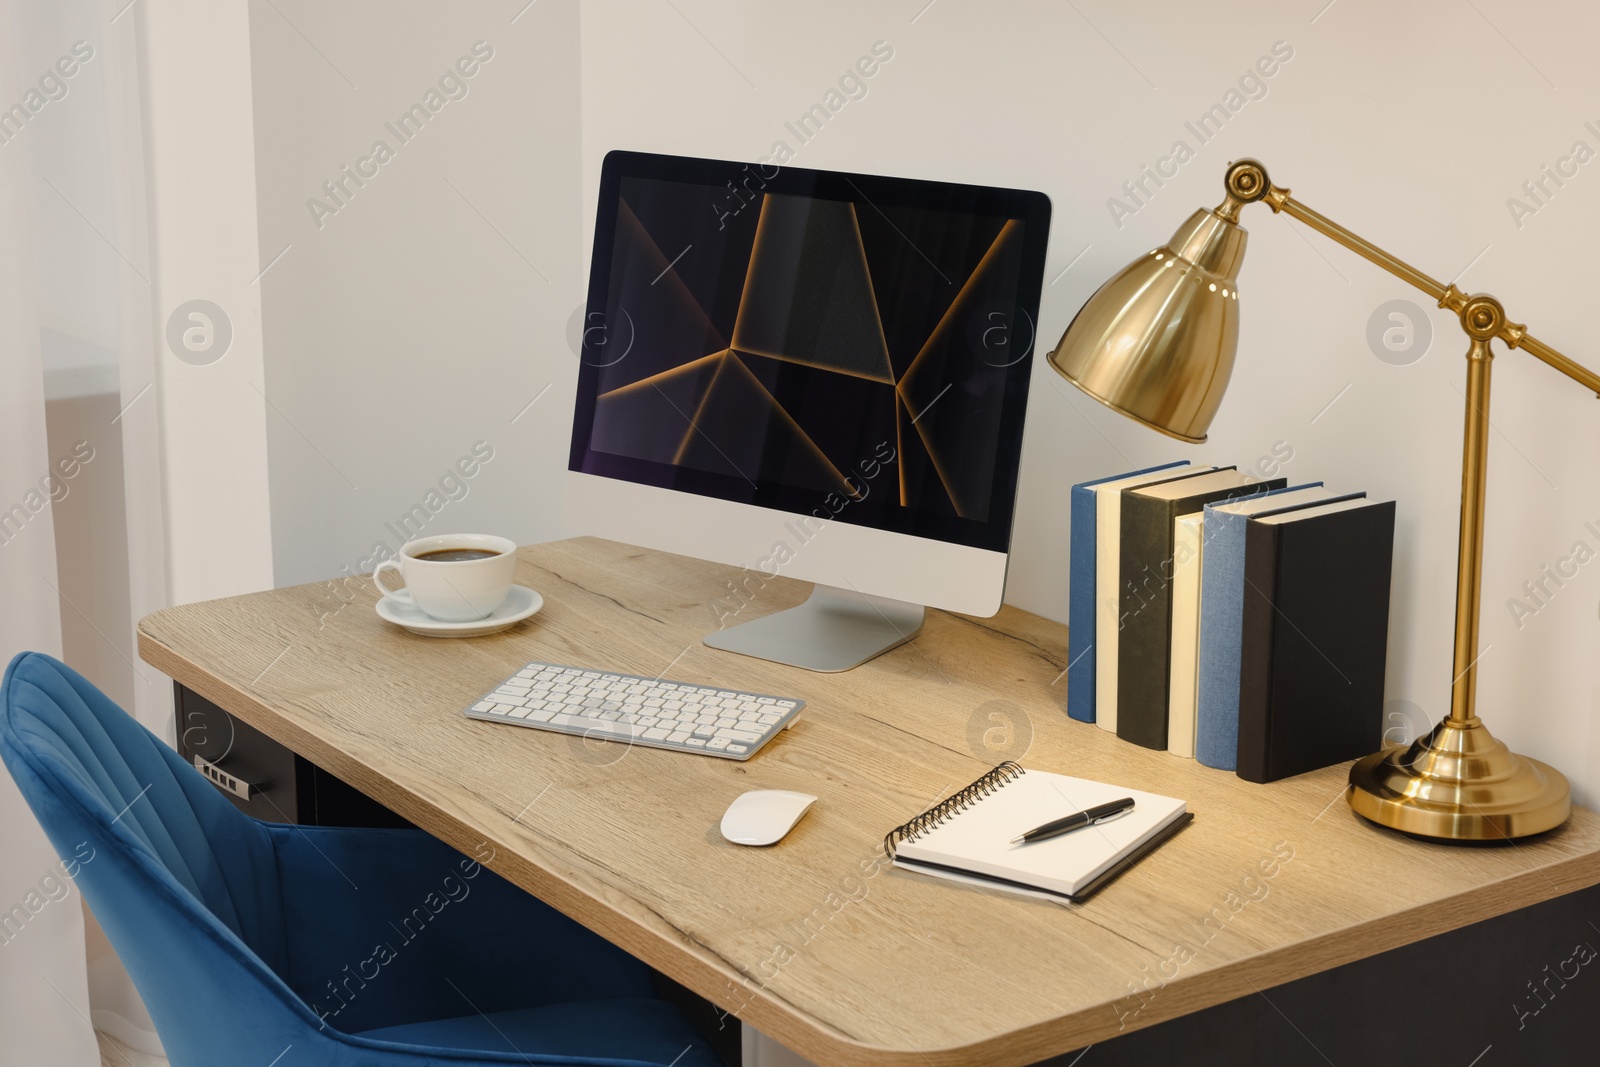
point(1157, 343)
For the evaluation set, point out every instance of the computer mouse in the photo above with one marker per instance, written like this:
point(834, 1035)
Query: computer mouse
point(763, 816)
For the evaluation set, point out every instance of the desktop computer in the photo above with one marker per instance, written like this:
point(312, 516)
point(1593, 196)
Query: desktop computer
point(809, 374)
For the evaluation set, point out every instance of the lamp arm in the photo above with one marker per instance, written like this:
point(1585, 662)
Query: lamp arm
point(1247, 182)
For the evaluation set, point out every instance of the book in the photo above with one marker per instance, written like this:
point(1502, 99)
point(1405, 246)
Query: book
point(1221, 606)
point(1144, 651)
point(967, 837)
point(1080, 597)
point(1188, 547)
point(1314, 636)
point(1108, 556)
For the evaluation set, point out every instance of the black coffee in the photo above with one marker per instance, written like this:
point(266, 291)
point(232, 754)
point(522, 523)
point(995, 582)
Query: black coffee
point(455, 555)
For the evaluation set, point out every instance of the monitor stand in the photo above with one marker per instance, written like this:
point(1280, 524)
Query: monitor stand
point(834, 630)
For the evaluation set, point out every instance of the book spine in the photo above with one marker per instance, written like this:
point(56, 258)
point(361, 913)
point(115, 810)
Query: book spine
point(1144, 644)
point(1081, 607)
point(1257, 635)
point(1221, 603)
point(1187, 545)
point(1108, 607)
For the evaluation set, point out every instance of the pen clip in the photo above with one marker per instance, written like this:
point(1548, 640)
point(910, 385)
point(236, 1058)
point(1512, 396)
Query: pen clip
point(1113, 815)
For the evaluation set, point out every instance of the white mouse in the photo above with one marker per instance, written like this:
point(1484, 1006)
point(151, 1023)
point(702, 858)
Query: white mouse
point(763, 816)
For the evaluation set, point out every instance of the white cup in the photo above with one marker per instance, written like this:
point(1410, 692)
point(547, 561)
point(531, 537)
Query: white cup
point(463, 590)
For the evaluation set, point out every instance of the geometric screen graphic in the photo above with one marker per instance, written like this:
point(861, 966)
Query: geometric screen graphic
point(839, 345)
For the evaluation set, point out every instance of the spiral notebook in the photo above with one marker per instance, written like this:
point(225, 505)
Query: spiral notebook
point(967, 837)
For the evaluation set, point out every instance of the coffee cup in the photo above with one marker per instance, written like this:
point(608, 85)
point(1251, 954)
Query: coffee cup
point(453, 577)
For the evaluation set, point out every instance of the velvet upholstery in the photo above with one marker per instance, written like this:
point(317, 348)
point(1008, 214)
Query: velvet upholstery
point(260, 943)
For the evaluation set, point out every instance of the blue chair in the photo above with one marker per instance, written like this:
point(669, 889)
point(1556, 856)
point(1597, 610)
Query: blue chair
point(257, 943)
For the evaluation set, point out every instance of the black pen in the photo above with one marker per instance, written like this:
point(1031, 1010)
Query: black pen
point(1076, 821)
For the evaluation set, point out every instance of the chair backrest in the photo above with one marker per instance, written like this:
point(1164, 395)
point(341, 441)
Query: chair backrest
point(185, 885)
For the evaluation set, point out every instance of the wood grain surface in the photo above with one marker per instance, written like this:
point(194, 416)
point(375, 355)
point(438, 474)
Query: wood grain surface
point(816, 941)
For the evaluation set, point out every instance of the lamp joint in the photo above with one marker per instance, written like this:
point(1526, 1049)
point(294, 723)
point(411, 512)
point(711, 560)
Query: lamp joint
point(1245, 183)
point(1482, 316)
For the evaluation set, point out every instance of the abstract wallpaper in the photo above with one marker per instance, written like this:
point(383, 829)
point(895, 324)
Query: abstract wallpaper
point(779, 339)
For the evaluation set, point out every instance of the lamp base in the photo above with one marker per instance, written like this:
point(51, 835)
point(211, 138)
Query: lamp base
point(1458, 783)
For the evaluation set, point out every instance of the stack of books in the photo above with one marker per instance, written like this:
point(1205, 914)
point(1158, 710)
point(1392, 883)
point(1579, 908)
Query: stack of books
point(1229, 617)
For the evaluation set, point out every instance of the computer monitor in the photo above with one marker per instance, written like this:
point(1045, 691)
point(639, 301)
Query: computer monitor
point(814, 375)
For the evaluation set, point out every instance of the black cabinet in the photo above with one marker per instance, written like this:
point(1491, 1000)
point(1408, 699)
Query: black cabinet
point(263, 778)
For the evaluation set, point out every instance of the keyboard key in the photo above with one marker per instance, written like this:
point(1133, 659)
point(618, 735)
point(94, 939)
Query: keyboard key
point(740, 749)
point(655, 733)
point(738, 735)
point(717, 743)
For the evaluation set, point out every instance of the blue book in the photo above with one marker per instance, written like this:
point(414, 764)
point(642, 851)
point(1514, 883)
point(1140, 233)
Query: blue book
point(1216, 742)
point(1081, 601)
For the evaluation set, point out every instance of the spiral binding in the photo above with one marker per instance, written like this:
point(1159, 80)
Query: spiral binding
point(952, 805)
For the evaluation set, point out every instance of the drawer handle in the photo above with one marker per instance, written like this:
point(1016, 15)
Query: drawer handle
point(222, 779)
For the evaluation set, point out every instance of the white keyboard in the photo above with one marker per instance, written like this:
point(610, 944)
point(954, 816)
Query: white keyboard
point(640, 711)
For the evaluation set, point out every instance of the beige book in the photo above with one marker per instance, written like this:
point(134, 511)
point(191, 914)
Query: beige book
point(1187, 546)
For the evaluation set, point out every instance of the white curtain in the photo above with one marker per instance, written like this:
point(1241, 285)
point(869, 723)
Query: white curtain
point(44, 995)
point(80, 553)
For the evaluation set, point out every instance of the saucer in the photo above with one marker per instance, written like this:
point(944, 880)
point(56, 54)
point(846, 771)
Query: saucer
point(520, 603)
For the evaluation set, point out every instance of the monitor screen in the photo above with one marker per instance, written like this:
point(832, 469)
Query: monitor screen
point(844, 346)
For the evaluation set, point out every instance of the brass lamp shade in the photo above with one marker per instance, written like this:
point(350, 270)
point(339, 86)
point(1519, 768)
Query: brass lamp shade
point(1157, 341)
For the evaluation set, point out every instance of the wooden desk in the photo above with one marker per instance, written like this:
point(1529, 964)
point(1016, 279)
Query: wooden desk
point(816, 942)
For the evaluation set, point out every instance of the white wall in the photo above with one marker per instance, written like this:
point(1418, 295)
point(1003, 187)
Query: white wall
point(1374, 121)
point(412, 324)
point(426, 312)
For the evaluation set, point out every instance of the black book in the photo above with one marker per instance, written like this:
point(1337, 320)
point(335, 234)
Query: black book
point(1315, 635)
point(1144, 648)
